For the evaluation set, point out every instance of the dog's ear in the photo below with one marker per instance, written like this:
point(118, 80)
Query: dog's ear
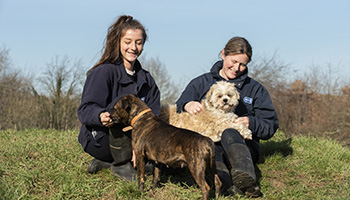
point(123, 108)
point(110, 107)
point(209, 93)
point(237, 93)
point(128, 108)
point(125, 103)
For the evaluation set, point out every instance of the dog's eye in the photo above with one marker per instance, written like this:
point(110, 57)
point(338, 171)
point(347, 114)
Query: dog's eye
point(220, 96)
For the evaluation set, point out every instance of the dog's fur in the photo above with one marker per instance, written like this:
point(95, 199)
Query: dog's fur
point(216, 116)
point(154, 139)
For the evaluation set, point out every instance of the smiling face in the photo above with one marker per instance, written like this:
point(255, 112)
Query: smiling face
point(131, 46)
point(233, 65)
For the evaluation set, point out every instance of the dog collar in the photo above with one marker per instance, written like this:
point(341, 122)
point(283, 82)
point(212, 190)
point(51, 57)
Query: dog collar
point(139, 115)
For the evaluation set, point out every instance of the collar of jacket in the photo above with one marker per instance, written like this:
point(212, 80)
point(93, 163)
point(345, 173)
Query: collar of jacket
point(124, 78)
point(239, 81)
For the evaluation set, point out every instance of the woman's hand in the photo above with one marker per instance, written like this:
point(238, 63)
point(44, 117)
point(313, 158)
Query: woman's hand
point(193, 107)
point(133, 159)
point(106, 119)
point(242, 120)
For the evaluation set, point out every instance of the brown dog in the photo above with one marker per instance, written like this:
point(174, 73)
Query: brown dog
point(156, 140)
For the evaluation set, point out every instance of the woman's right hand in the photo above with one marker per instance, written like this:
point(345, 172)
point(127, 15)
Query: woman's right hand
point(193, 107)
point(106, 119)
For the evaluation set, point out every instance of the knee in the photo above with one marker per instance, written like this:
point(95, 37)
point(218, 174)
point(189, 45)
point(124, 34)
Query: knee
point(219, 153)
point(230, 136)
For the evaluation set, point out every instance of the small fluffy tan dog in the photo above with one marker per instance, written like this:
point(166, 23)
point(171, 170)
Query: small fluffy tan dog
point(216, 116)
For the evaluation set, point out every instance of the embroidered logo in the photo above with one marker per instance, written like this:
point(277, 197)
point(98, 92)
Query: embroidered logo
point(248, 100)
point(143, 99)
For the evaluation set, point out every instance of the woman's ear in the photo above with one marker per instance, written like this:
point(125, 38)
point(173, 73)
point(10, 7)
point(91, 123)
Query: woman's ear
point(223, 54)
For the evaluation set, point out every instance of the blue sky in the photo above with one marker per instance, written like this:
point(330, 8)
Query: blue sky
point(186, 36)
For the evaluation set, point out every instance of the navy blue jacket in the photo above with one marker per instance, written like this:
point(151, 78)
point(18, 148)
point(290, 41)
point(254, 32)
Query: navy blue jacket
point(107, 82)
point(255, 101)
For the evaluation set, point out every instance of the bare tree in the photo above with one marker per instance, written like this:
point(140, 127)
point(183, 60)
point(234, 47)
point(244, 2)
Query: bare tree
point(324, 79)
point(169, 90)
point(16, 102)
point(60, 82)
point(5, 61)
point(269, 71)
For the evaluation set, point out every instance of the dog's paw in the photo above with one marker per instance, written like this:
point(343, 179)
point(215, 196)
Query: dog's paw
point(246, 134)
point(216, 138)
point(244, 131)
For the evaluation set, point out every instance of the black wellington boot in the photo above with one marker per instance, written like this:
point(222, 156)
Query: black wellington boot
point(121, 150)
point(238, 155)
point(97, 165)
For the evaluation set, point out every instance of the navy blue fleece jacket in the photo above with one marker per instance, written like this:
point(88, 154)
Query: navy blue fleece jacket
point(255, 101)
point(107, 82)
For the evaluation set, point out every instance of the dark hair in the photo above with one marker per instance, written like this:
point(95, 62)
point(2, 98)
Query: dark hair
point(111, 49)
point(238, 45)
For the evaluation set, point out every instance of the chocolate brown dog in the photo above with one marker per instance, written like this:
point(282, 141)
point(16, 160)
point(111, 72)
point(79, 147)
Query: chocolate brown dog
point(156, 140)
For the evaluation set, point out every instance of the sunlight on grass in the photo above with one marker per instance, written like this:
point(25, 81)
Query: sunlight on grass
point(50, 164)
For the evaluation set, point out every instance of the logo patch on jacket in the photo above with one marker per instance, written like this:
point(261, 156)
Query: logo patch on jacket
point(248, 100)
point(143, 99)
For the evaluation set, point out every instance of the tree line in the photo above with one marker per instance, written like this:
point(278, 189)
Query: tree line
point(315, 104)
point(50, 101)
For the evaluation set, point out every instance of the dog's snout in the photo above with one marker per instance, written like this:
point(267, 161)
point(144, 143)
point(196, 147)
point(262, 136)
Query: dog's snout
point(114, 118)
point(225, 100)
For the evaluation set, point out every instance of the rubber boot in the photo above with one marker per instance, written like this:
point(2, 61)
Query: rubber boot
point(97, 165)
point(243, 171)
point(227, 187)
point(121, 150)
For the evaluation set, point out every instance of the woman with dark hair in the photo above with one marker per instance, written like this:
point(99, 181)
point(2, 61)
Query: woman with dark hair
point(117, 73)
point(255, 111)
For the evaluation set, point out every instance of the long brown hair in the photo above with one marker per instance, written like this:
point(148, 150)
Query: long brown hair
point(111, 49)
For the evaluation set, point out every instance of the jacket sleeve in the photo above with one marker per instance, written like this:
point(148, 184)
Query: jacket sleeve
point(154, 98)
point(94, 98)
point(192, 92)
point(263, 121)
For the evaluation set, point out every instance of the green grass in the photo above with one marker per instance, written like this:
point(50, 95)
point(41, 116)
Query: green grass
point(49, 164)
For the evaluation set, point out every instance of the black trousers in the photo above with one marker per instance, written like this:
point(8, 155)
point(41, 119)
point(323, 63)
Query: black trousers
point(220, 154)
point(101, 152)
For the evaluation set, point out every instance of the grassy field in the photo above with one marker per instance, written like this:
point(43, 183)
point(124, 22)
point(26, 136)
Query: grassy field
point(49, 164)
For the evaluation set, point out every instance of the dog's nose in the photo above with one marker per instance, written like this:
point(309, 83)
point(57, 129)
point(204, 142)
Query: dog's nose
point(225, 100)
point(114, 120)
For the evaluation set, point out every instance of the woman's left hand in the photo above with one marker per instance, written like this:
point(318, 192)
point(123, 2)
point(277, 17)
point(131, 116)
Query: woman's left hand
point(242, 120)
